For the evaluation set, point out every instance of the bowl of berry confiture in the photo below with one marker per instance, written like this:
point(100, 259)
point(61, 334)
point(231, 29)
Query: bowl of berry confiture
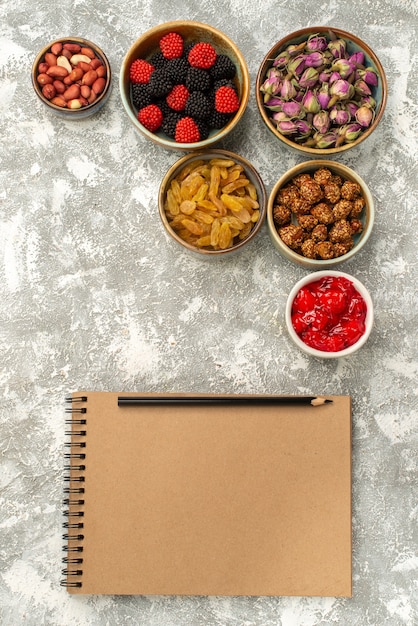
point(184, 85)
point(329, 314)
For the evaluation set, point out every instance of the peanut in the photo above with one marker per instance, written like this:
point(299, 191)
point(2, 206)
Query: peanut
point(89, 78)
point(56, 48)
point(50, 58)
point(76, 58)
point(49, 91)
point(71, 76)
point(44, 79)
point(72, 47)
point(62, 61)
point(57, 72)
point(88, 52)
point(98, 86)
point(72, 92)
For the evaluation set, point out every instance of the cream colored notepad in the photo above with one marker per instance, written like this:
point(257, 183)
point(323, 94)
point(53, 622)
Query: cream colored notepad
point(209, 500)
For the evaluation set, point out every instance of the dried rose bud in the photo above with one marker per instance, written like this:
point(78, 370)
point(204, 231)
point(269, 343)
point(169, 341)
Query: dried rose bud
point(324, 76)
point(339, 116)
point(364, 116)
point(340, 90)
point(292, 109)
point(327, 140)
point(273, 103)
point(351, 107)
point(368, 101)
point(349, 133)
point(287, 90)
point(310, 102)
point(357, 58)
point(314, 59)
point(316, 43)
point(287, 128)
point(296, 65)
point(293, 49)
point(309, 78)
point(303, 128)
point(362, 88)
point(338, 48)
point(281, 60)
point(272, 83)
point(333, 77)
point(280, 116)
point(323, 96)
point(343, 67)
point(369, 76)
point(321, 122)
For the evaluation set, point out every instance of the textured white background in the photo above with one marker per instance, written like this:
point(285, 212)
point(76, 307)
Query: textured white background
point(93, 295)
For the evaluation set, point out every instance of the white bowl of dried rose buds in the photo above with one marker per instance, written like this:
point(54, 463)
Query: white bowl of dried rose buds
point(321, 91)
point(212, 203)
point(320, 213)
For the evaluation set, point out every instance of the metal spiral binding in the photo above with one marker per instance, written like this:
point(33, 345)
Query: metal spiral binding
point(74, 491)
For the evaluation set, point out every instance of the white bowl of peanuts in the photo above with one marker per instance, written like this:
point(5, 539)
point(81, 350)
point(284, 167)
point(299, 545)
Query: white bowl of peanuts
point(212, 203)
point(319, 214)
point(72, 77)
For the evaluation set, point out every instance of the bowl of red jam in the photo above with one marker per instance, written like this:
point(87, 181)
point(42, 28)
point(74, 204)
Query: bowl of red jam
point(329, 314)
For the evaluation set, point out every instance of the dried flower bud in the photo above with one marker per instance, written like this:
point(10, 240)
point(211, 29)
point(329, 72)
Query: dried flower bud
point(280, 116)
point(338, 48)
point(339, 116)
point(310, 102)
point(351, 107)
point(273, 103)
point(309, 78)
point(296, 65)
point(324, 76)
point(287, 90)
point(281, 60)
point(327, 140)
point(292, 109)
point(314, 59)
point(340, 90)
point(303, 128)
point(364, 116)
point(321, 122)
point(368, 101)
point(362, 88)
point(316, 43)
point(323, 96)
point(369, 76)
point(333, 77)
point(272, 83)
point(343, 67)
point(348, 133)
point(357, 58)
point(287, 128)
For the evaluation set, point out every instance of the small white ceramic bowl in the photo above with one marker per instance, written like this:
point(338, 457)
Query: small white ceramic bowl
point(366, 217)
point(316, 276)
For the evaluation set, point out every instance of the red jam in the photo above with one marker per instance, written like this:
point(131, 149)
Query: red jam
point(329, 314)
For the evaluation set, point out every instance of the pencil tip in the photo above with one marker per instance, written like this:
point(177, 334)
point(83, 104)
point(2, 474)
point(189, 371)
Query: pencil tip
point(319, 401)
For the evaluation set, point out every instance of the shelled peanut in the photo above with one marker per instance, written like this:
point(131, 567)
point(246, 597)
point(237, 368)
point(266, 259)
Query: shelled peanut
point(212, 204)
point(71, 75)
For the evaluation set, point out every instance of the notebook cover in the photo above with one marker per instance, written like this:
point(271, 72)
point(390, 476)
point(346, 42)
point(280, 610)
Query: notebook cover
point(211, 500)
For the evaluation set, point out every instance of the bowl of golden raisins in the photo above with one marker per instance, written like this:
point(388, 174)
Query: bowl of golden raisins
point(212, 203)
point(320, 214)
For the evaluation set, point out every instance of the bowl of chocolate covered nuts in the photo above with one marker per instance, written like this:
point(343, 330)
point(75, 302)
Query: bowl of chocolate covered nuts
point(72, 77)
point(212, 203)
point(320, 214)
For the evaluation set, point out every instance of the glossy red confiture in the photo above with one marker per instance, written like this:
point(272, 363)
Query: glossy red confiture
point(329, 314)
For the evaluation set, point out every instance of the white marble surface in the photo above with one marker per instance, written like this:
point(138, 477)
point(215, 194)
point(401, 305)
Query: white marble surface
point(93, 295)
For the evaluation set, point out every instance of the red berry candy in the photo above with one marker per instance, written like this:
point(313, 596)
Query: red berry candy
point(140, 71)
point(151, 117)
point(177, 97)
point(171, 46)
point(187, 131)
point(202, 55)
point(329, 314)
point(226, 100)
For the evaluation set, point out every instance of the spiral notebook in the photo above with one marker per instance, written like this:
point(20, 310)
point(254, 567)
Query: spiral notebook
point(216, 498)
